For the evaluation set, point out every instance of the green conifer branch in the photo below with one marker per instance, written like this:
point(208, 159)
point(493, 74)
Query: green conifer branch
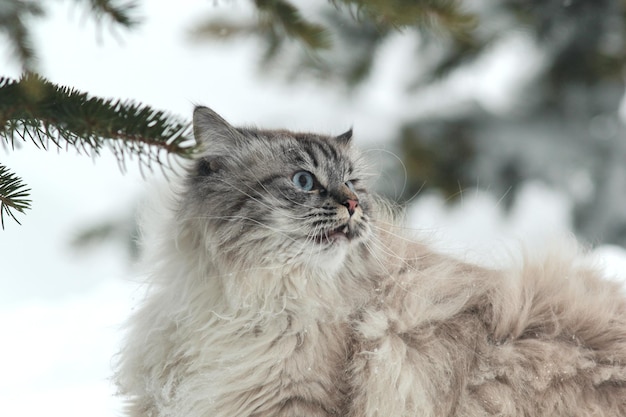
point(13, 17)
point(122, 14)
point(13, 195)
point(282, 14)
point(362, 24)
point(277, 19)
point(400, 14)
point(36, 110)
point(16, 14)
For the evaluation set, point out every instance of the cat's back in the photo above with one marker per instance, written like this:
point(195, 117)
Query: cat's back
point(442, 337)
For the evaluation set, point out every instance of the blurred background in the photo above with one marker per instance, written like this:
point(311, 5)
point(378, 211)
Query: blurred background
point(499, 126)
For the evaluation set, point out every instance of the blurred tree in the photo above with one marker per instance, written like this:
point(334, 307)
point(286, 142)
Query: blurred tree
point(560, 124)
point(342, 36)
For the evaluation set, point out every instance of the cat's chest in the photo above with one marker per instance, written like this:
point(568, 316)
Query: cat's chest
point(318, 348)
point(314, 371)
point(288, 363)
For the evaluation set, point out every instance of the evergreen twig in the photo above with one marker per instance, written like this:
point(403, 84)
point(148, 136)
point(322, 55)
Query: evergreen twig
point(15, 16)
point(122, 14)
point(399, 14)
point(359, 25)
point(280, 13)
point(277, 20)
point(13, 195)
point(34, 109)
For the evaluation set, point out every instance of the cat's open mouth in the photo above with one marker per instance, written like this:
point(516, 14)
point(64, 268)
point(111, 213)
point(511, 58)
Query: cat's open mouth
point(336, 234)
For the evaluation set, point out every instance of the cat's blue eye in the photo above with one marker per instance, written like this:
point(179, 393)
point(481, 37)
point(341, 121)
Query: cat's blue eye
point(303, 180)
point(350, 186)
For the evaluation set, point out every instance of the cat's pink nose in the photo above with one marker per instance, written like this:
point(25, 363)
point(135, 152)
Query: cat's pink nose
point(351, 205)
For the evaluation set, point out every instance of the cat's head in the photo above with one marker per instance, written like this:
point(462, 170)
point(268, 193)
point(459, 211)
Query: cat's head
point(272, 198)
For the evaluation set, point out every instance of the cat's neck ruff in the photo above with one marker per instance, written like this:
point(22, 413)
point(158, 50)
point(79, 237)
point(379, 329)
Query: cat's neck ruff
point(234, 288)
point(301, 289)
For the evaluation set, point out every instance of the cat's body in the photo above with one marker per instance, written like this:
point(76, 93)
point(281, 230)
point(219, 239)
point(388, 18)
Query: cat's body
point(280, 287)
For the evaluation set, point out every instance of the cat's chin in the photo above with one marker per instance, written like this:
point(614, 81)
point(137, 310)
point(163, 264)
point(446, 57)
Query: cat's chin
point(334, 237)
point(332, 256)
point(342, 235)
point(330, 251)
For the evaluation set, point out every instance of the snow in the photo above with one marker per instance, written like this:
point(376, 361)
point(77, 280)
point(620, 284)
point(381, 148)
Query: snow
point(481, 230)
point(61, 311)
point(56, 358)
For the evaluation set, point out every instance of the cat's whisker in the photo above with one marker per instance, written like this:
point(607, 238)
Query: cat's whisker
point(403, 233)
point(250, 219)
point(259, 201)
point(307, 245)
point(378, 151)
point(378, 249)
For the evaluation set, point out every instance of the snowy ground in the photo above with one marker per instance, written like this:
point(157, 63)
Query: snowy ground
point(61, 310)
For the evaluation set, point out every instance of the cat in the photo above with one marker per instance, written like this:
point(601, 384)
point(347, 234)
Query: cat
point(279, 286)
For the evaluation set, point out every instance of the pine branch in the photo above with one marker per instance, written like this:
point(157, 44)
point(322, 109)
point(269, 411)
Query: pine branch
point(342, 45)
point(13, 15)
point(277, 20)
point(13, 195)
point(16, 14)
point(121, 14)
point(282, 14)
point(35, 109)
point(443, 15)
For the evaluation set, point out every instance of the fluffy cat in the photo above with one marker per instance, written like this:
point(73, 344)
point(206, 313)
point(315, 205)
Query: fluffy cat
point(280, 287)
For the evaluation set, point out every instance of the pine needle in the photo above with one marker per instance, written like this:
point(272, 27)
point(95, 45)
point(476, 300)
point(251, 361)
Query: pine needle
point(13, 195)
point(33, 109)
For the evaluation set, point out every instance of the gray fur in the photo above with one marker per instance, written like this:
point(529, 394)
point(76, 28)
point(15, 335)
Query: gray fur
point(259, 307)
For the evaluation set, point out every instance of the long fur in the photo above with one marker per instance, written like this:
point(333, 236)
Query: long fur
point(248, 314)
point(547, 338)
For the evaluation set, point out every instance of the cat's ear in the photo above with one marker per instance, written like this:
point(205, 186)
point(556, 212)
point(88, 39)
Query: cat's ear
point(214, 134)
point(345, 138)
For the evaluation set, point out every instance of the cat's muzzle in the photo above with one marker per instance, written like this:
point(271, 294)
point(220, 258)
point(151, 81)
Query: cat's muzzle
point(342, 233)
